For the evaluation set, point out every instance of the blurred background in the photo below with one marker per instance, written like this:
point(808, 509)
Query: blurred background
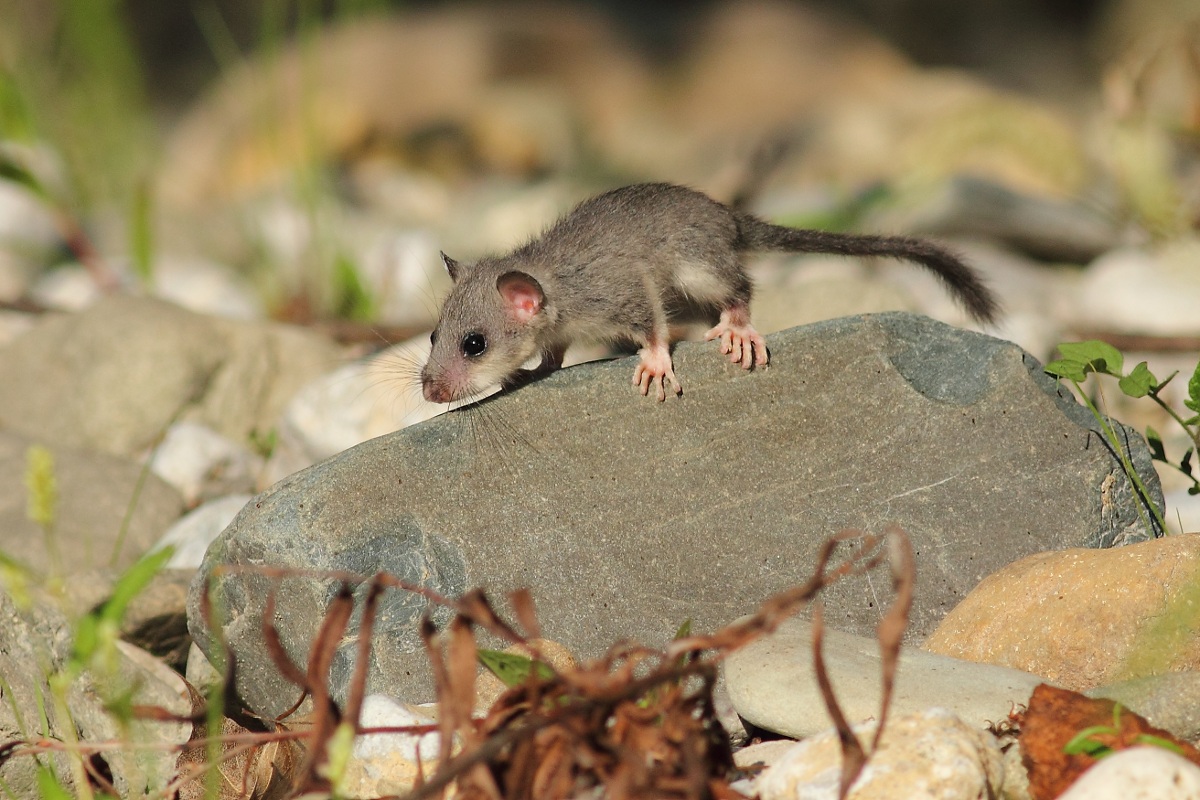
point(306, 160)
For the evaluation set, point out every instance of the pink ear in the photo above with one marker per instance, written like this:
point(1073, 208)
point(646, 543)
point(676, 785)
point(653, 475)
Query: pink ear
point(522, 295)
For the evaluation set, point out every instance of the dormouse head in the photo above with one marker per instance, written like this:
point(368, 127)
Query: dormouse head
point(490, 325)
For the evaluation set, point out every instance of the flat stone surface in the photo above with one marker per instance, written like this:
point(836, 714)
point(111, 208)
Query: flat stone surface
point(626, 517)
point(772, 684)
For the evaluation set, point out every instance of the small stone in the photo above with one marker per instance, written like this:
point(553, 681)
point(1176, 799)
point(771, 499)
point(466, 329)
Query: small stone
point(350, 405)
point(389, 763)
point(192, 534)
point(1138, 773)
point(205, 287)
point(772, 684)
point(1084, 617)
point(203, 464)
point(931, 754)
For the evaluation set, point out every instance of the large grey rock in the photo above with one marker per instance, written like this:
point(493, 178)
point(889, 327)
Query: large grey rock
point(115, 376)
point(626, 517)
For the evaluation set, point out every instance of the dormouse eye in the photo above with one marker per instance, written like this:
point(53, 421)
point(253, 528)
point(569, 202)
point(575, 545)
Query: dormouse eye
point(473, 344)
point(433, 338)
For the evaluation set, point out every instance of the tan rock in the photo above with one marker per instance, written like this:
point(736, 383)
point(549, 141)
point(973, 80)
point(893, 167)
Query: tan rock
point(1083, 617)
point(930, 754)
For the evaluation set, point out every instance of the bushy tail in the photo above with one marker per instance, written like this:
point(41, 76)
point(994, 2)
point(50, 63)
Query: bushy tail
point(961, 280)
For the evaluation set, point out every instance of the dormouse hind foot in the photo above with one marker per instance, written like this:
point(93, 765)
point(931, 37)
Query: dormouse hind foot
point(655, 370)
point(739, 340)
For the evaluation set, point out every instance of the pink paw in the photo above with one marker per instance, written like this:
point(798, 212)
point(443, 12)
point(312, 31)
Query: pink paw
point(655, 370)
point(739, 340)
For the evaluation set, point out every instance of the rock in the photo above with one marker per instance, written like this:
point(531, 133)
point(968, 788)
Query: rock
point(1040, 226)
point(349, 405)
point(932, 754)
point(389, 763)
point(146, 766)
point(32, 639)
point(1138, 773)
point(1139, 291)
point(1183, 515)
point(1084, 617)
point(1170, 701)
point(618, 511)
point(205, 287)
point(68, 287)
point(115, 376)
point(203, 464)
point(772, 684)
point(35, 642)
point(192, 534)
point(95, 494)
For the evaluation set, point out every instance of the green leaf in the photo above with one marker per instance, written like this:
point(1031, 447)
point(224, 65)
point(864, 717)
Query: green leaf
point(353, 300)
point(135, 579)
point(1063, 368)
point(512, 669)
point(1158, 741)
point(1097, 355)
point(141, 232)
point(1193, 398)
point(1154, 439)
point(48, 786)
point(1083, 743)
point(684, 630)
point(10, 170)
point(1138, 383)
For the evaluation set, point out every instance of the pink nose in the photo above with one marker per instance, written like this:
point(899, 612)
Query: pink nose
point(436, 392)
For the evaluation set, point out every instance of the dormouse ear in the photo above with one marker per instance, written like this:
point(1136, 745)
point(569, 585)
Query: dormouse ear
point(452, 266)
point(522, 295)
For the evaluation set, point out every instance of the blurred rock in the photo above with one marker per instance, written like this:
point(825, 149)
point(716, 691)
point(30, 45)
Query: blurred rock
point(205, 287)
point(202, 464)
point(1170, 701)
point(352, 404)
point(1140, 291)
point(35, 643)
point(1082, 617)
point(95, 495)
point(115, 376)
point(1043, 227)
point(68, 287)
point(348, 93)
point(191, 535)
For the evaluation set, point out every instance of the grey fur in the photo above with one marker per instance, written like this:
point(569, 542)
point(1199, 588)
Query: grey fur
point(623, 264)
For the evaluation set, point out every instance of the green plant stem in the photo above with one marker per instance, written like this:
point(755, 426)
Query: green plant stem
point(1126, 464)
point(1193, 433)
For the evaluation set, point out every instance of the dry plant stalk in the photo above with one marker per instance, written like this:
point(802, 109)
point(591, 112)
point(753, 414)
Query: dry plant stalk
point(637, 722)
